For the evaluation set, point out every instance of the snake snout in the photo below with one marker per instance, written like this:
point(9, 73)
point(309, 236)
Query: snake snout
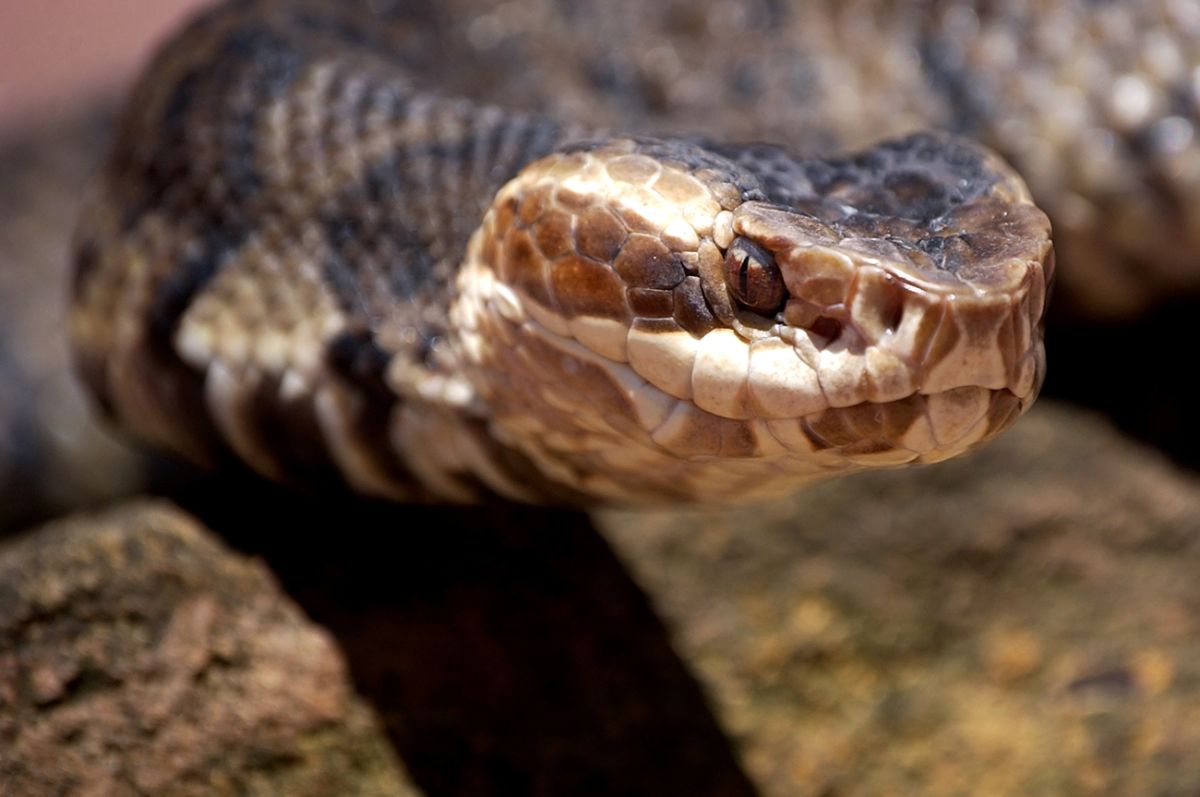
point(889, 299)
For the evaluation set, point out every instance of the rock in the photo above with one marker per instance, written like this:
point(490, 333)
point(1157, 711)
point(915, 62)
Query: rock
point(138, 656)
point(1023, 621)
point(506, 649)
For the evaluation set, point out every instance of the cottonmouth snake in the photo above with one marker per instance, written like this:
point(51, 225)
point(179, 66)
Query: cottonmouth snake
point(304, 252)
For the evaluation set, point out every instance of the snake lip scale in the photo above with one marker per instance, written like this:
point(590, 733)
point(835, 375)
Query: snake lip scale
point(299, 255)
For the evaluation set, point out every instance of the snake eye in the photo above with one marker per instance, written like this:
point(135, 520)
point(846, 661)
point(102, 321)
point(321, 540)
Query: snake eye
point(753, 277)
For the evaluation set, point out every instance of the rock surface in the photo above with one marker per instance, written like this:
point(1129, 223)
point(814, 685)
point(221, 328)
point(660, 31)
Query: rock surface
point(1022, 622)
point(506, 648)
point(139, 657)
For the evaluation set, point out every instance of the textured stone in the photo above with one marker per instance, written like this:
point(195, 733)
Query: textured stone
point(506, 648)
point(1020, 622)
point(138, 656)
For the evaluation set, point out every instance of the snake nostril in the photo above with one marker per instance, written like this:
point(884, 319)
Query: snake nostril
point(891, 311)
point(877, 305)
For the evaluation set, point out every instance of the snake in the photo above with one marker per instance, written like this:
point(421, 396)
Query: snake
point(304, 254)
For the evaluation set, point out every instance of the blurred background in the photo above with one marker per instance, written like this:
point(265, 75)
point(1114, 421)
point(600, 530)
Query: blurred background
point(63, 70)
point(58, 55)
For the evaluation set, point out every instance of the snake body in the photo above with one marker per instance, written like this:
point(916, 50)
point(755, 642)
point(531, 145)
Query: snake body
point(303, 253)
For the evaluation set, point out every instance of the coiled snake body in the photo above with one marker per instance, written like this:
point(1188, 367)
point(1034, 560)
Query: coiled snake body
point(301, 253)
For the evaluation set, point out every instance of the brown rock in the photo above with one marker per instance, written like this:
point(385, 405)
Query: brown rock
point(138, 656)
point(1022, 622)
point(506, 649)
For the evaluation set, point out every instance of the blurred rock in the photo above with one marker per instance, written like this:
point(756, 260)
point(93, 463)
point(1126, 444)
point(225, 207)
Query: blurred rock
point(138, 656)
point(1021, 622)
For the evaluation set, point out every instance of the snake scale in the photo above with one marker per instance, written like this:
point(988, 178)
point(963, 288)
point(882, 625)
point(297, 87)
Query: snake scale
point(316, 247)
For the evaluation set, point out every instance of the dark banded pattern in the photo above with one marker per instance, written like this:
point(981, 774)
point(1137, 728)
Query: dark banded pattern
point(305, 252)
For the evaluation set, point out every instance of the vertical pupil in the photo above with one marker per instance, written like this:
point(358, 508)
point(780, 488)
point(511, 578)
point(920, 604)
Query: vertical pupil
point(744, 276)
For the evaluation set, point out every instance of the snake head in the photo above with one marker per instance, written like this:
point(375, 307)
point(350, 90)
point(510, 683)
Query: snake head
point(653, 320)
